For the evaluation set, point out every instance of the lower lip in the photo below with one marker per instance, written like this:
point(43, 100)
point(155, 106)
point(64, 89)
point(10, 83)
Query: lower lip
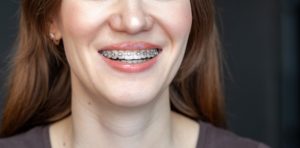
point(130, 68)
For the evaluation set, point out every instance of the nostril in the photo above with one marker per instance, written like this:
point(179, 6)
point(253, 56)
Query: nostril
point(115, 22)
point(149, 22)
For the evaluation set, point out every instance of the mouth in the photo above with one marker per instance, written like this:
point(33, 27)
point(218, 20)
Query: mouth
point(131, 56)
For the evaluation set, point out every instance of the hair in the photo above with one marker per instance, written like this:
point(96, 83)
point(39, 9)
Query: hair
point(39, 90)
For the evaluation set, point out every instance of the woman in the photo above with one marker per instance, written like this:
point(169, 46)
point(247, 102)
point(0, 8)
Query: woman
point(116, 73)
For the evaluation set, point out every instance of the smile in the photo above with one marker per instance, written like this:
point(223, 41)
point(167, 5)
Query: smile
point(130, 56)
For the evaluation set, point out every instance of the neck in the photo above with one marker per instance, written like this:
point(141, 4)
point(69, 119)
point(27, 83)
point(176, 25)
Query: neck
point(101, 125)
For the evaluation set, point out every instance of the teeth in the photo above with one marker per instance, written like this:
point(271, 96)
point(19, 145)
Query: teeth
point(135, 55)
point(133, 61)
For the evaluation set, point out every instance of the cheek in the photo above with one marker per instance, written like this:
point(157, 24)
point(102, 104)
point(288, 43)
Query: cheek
point(177, 23)
point(80, 20)
point(181, 27)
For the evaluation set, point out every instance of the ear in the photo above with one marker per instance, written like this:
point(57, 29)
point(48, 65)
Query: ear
point(54, 30)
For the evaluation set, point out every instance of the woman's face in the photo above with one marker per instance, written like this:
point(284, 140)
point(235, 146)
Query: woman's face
point(125, 52)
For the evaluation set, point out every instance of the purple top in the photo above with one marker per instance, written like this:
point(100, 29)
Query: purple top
point(209, 137)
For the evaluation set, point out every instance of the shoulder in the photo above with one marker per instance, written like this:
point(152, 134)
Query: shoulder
point(213, 137)
point(34, 138)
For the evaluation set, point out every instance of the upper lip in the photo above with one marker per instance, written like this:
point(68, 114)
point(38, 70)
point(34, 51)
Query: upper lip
point(131, 45)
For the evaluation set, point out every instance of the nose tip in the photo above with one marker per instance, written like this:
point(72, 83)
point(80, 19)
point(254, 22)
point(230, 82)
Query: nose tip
point(131, 22)
point(137, 23)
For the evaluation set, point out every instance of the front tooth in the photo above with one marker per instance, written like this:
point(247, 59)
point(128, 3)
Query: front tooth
point(128, 53)
point(120, 55)
point(138, 53)
point(128, 56)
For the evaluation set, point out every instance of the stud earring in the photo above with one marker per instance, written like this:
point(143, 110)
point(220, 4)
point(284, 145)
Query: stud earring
point(52, 37)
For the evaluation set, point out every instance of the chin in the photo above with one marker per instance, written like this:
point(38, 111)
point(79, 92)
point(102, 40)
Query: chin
point(133, 97)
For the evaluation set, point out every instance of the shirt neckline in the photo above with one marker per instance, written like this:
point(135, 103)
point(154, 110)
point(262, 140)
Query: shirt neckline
point(200, 140)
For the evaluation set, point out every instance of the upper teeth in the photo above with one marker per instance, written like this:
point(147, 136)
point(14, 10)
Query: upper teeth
point(130, 54)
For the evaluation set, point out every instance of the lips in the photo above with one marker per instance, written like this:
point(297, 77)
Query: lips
point(131, 56)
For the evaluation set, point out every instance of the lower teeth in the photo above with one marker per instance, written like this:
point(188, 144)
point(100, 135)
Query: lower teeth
point(132, 61)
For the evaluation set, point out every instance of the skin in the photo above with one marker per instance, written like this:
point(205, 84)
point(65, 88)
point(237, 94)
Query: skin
point(118, 109)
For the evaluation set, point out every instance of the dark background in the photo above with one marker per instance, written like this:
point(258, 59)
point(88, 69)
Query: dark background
point(261, 48)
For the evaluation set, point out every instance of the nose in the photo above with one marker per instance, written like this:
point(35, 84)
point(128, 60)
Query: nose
point(131, 18)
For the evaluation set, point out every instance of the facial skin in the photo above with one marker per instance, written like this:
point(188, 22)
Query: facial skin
point(89, 25)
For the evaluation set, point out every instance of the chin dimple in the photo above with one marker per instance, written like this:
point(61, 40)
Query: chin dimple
point(130, 56)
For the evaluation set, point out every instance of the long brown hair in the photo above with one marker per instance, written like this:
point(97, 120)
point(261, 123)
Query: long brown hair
point(39, 90)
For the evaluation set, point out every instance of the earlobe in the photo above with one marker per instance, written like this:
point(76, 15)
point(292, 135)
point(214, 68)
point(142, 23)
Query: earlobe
point(54, 32)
